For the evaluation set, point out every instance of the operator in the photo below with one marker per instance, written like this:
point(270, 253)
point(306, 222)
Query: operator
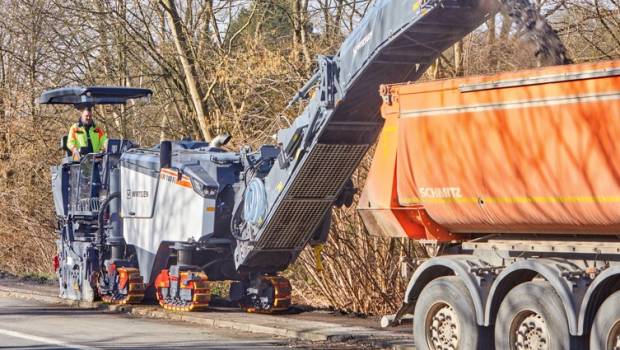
point(84, 136)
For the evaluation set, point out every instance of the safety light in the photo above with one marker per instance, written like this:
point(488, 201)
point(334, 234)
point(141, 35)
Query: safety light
point(204, 190)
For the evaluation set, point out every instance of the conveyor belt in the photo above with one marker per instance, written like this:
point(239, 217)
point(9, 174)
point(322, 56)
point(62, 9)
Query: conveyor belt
point(396, 41)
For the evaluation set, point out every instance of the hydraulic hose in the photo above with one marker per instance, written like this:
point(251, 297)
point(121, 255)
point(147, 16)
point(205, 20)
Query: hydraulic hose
point(102, 208)
point(255, 202)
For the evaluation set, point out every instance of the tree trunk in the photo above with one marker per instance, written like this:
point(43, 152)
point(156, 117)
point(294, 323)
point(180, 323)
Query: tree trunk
point(491, 31)
point(122, 74)
point(336, 27)
point(327, 18)
point(2, 81)
point(163, 124)
point(297, 30)
point(304, 33)
point(180, 43)
point(301, 51)
point(435, 69)
point(491, 54)
point(506, 24)
point(458, 59)
point(3, 126)
point(5, 104)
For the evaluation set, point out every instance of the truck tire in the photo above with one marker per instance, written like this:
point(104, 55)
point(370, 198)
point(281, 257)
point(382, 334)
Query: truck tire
point(445, 318)
point(605, 332)
point(531, 316)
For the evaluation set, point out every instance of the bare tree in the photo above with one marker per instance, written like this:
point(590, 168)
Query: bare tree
point(189, 70)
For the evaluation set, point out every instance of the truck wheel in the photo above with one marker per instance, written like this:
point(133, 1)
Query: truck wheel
point(445, 318)
point(531, 316)
point(605, 334)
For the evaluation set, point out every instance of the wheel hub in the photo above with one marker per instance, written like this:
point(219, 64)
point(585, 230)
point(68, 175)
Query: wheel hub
point(530, 332)
point(613, 338)
point(190, 293)
point(443, 328)
point(126, 287)
point(269, 294)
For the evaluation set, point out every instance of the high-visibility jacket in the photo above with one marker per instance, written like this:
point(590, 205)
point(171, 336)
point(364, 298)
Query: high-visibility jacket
point(79, 137)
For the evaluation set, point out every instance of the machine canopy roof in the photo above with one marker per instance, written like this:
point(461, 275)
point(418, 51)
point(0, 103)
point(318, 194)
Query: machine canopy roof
point(92, 95)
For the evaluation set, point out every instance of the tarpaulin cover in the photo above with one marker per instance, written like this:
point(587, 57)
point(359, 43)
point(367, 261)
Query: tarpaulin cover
point(534, 151)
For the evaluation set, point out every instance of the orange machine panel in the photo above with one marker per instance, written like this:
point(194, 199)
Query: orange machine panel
point(525, 152)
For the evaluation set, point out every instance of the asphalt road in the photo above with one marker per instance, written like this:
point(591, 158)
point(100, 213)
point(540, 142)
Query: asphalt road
point(32, 325)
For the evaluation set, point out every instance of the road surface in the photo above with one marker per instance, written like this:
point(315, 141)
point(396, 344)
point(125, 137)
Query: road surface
point(32, 325)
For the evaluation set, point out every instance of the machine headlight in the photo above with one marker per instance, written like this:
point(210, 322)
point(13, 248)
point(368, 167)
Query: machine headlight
point(203, 190)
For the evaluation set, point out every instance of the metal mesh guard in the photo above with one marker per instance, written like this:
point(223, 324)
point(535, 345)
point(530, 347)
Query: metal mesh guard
point(293, 224)
point(310, 195)
point(326, 170)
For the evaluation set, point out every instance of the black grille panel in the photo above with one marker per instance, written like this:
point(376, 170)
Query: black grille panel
point(293, 224)
point(326, 170)
point(312, 193)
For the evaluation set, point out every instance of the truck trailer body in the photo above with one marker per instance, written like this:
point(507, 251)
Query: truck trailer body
point(512, 182)
point(521, 152)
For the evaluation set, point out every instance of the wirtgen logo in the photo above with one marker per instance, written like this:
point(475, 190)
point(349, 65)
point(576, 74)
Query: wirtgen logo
point(365, 40)
point(137, 194)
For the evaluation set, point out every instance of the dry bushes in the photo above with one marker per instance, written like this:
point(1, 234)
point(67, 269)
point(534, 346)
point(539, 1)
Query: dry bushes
point(26, 209)
point(361, 273)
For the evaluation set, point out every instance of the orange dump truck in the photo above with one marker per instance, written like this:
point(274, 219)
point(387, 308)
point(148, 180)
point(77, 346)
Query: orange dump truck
point(512, 183)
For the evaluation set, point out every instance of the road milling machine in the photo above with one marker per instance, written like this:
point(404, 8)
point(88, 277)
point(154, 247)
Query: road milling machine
point(172, 217)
